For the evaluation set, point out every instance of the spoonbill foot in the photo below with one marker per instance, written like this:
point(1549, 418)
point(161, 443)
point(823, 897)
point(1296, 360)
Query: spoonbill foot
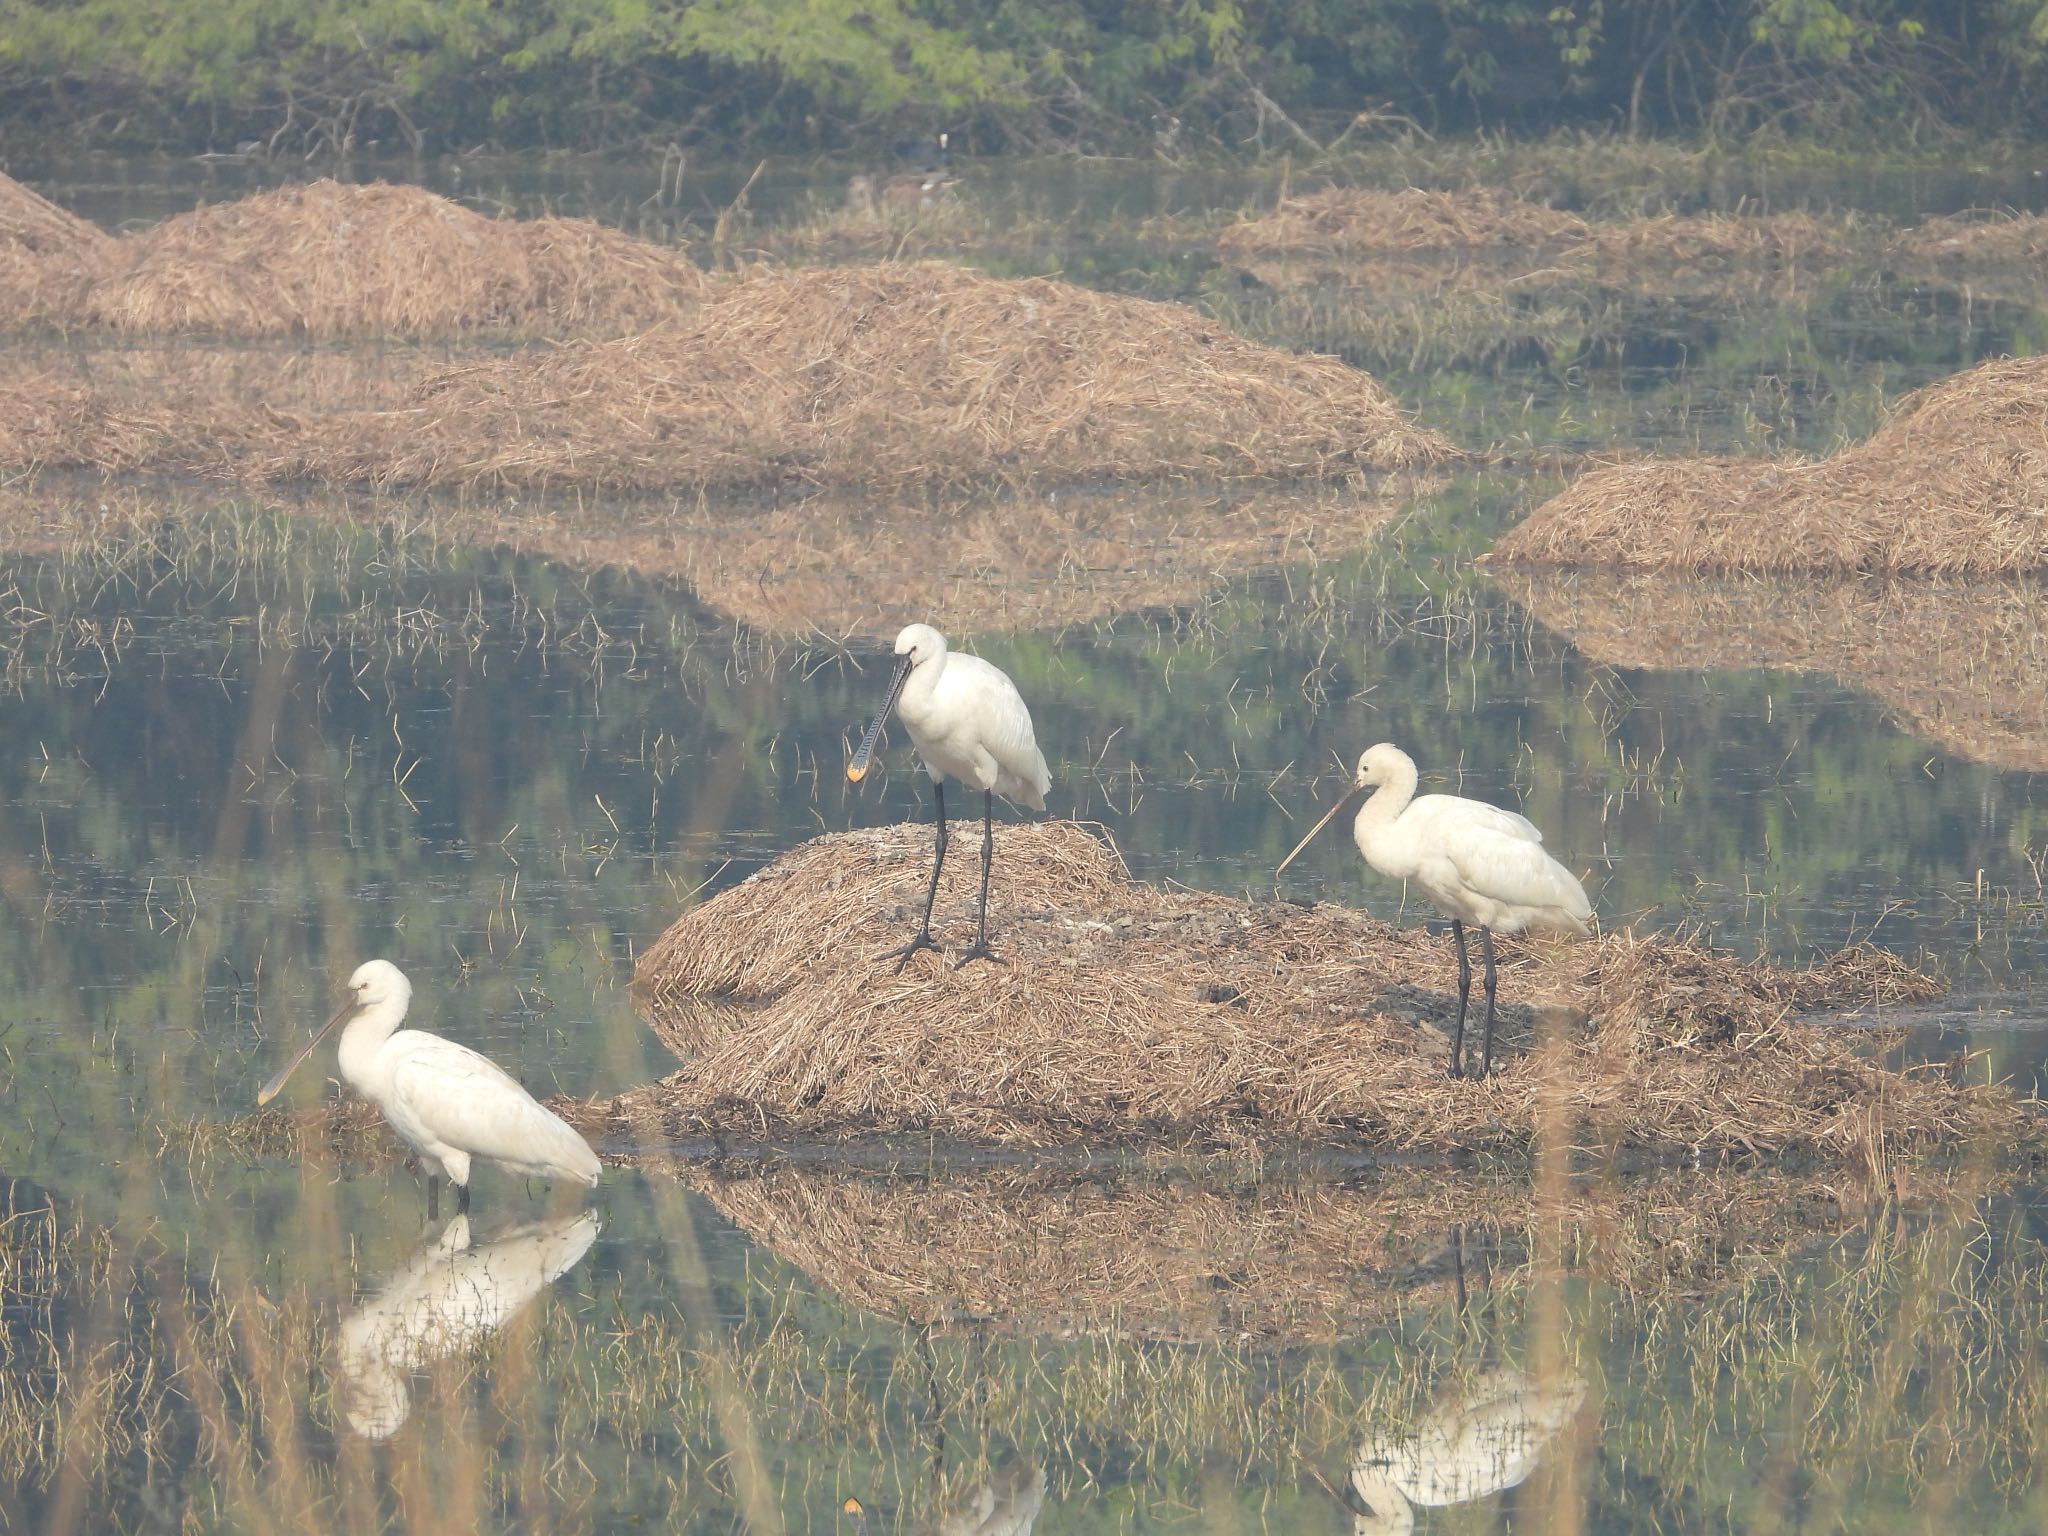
point(902, 956)
point(979, 950)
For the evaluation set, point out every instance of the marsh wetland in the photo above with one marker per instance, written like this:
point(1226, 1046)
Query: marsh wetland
point(506, 734)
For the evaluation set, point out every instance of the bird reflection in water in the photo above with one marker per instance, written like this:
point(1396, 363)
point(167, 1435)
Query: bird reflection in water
point(1487, 1439)
point(1006, 1505)
point(451, 1296)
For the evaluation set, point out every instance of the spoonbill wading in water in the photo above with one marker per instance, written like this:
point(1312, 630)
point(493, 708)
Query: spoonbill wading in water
point(447, 1102)
point(968, 722)
point(1478, 863)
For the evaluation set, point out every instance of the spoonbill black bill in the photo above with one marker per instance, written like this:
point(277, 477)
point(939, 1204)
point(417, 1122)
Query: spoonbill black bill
point(450, 1104)
point(1476, 862)
point(968, 722)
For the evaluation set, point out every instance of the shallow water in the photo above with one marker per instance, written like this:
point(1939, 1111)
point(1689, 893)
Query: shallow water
point(266, 747)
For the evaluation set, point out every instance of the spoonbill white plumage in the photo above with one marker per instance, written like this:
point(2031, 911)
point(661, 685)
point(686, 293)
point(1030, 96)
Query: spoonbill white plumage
point(1478, 863)
point(448, 1102)
point(968, 722)
point(1489, 1439)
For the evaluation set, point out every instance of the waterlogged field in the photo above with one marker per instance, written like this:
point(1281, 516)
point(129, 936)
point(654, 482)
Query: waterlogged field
point(253, 742)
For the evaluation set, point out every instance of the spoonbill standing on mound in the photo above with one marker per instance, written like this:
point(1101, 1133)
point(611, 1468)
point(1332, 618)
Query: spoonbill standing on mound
point(1478, 863)
point(448, 1103)
point(968, 722)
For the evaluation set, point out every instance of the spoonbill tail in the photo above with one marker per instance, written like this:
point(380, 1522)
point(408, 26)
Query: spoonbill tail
point(449, 1103)
point(1489, 1439)
point(968, 722)
point(1478, 863)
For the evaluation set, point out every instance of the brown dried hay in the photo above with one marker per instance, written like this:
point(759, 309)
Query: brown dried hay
point(1955, 483)
point(1133, 1013)
point(1711, 249)
point(1984, 240)
point(918, 374)
point(1183, 1256)
point(47, 255)
point(1959, 663)
point(1354, 221)
point(326, 260)
point(854, 567)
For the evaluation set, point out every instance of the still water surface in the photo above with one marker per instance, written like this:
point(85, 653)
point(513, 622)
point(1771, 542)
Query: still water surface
point(263, 748)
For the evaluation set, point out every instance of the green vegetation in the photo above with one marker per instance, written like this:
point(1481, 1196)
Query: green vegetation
point(1284, 74)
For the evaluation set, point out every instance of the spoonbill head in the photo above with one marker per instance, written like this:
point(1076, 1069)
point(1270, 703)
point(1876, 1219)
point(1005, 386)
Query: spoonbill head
point(1476, 863)
point(967, 722)
point(450, 1104)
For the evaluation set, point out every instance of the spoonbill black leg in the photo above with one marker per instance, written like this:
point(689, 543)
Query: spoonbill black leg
point(979, 950)
point(433, 1197)
point(924, 938)
point(1486, 1050)
point(1464, 992)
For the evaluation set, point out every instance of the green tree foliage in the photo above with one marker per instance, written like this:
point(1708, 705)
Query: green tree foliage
point(1044, 74)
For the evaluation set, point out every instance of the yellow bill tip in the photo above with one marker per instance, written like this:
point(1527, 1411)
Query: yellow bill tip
point(855, 772)
point(852, 1507)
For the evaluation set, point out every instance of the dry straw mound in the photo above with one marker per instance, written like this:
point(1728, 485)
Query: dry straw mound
point(327, 260)
point(1354, 221)
point(1137, 1013)
point(47, 256)
point(1266, 1262)
point(1961, 664)
point(1710, 250)
point(1981, 241)
point(1956, 482)
point(920, 374)
point(846, 566)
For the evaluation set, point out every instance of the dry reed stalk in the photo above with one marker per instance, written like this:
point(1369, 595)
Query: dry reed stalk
point(1955, 483)
point(326, 260)
point(852, 566)
point(1138, 1014)
point(1353, 221)
point(920, 374)
point(1263, 1262)
point(1960, 663)
point(47, 256)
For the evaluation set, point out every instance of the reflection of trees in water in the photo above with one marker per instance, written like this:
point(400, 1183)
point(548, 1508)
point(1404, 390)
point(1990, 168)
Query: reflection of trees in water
point(451, 1296)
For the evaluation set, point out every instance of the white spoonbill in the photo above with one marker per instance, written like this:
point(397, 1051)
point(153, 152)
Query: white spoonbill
point(968, 722)
point(449, 1103)
point(1478, 863)
point(1489, 1439)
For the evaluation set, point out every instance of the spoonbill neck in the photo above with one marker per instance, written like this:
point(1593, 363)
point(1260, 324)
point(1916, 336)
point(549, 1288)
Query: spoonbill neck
point(363, 1036)
point(1385, 804)
point(916, 697)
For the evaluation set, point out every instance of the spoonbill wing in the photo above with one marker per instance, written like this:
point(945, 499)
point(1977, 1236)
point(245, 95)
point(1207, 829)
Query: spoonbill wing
point(459, 1097)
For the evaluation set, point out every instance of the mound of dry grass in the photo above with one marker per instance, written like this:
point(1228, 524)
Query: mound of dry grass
point(327, 260)
point(1955, 483)
point(1995, 241)
point(1710, 250)
point(1262, 1262)
point(846, 566)
point(1348, 222)
point(47, 256)
point(920, 374)
point(1137, 1013)
point(1961, 664)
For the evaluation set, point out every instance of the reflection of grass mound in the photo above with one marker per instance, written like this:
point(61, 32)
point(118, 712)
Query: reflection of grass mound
point(1710, 250)
point(1136, 1012)
point(1260, 1262)
point(1962, 665)
point(332, 260)
point(843, 567)
point(1356, 221)
point(47, 255)
point(1955, 482)
point(916, 374)
point(1965, 242)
